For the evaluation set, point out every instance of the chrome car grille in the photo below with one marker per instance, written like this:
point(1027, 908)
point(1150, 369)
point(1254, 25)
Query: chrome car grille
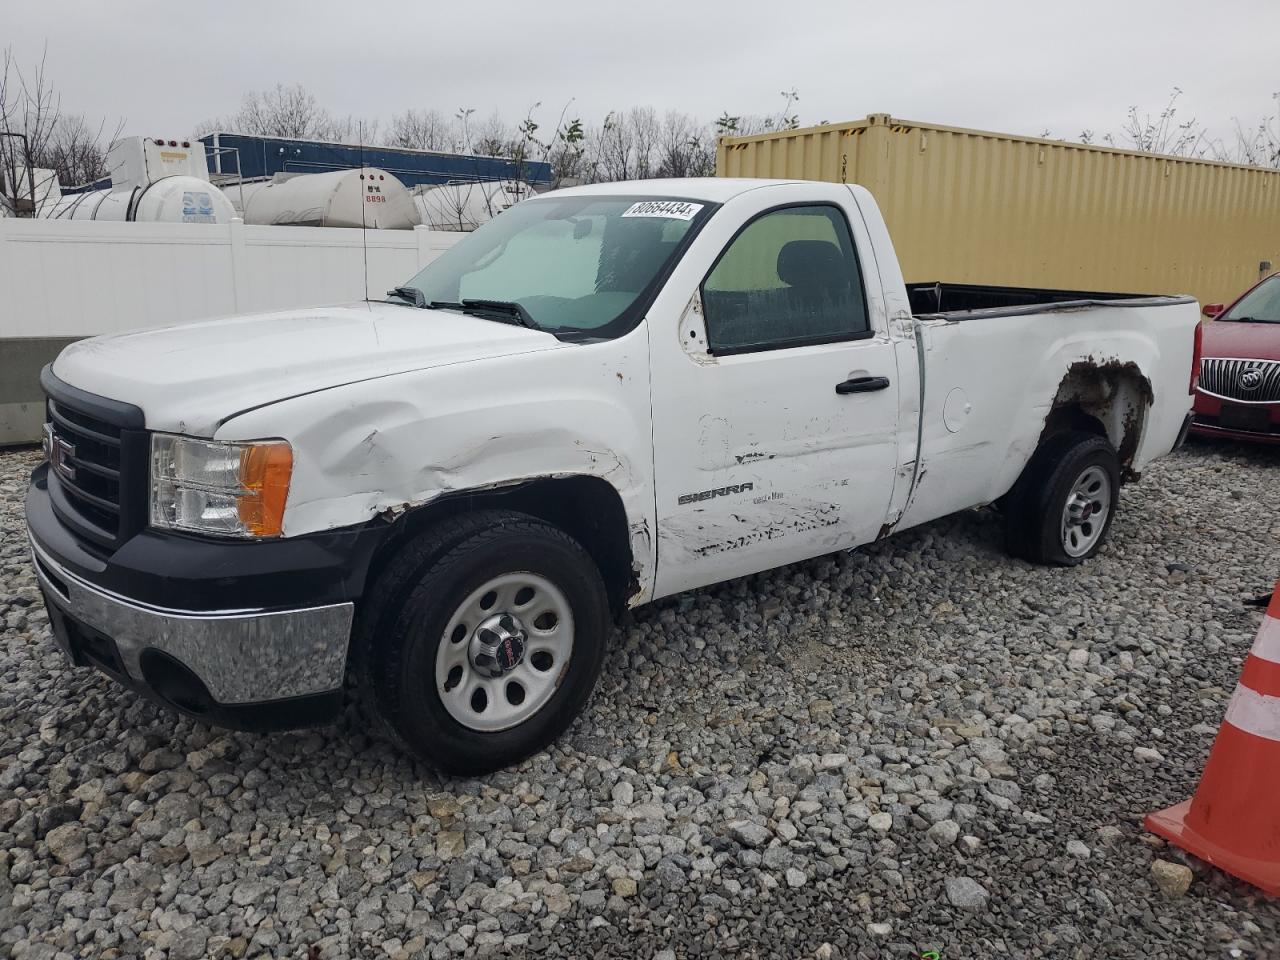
point(1245, 381)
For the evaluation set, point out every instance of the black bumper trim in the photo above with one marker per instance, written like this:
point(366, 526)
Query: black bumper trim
point(176, 571)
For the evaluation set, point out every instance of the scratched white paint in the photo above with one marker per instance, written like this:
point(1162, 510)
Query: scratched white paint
point(388, 407)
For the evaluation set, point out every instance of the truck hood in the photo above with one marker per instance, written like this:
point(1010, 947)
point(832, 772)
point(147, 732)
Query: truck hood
point(1244, 341)
point(193, 377)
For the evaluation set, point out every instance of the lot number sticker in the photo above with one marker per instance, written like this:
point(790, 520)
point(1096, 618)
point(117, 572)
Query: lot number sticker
point(671, 209)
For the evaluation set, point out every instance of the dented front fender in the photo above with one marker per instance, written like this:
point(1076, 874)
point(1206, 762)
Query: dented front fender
point(384, 446)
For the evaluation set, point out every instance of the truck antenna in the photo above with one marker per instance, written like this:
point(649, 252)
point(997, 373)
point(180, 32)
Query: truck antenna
point(364, 223)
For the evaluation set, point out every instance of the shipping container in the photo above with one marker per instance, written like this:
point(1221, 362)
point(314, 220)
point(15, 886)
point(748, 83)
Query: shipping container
point(969, 206)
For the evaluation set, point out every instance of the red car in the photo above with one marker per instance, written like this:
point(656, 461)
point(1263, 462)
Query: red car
point(1238, 393)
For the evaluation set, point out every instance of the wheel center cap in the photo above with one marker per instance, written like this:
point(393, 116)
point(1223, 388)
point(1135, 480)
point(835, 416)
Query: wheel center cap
point(1079, 509)
point(498, 645)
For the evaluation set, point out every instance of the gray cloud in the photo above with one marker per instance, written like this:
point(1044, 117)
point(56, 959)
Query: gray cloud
point(1012, 66)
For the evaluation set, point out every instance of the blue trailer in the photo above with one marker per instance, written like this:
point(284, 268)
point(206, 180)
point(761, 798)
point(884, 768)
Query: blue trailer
point(264, 156)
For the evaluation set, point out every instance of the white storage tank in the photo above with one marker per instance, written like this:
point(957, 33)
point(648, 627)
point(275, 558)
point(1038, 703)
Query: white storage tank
point(465, 206)
point(366, 197)
point(152, 181)
point(170, 200)
point(239, 191)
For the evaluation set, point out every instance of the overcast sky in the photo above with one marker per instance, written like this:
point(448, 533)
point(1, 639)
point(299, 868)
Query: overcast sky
point(1019, 67)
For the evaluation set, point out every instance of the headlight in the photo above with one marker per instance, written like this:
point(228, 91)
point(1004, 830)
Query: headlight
point(225, 489)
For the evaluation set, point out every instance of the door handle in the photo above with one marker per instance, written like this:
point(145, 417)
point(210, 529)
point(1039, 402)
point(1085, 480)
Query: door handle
point(862, 385)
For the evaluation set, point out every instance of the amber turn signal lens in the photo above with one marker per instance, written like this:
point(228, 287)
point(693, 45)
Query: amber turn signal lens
point(265, 471)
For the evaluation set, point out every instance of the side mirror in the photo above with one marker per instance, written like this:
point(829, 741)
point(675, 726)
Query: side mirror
point(1212, 310)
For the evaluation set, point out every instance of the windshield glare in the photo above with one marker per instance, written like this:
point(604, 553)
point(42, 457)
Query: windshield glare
point(1262, 304)
point(576, 264)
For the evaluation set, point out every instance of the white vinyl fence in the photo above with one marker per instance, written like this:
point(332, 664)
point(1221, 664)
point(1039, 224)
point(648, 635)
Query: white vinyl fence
point(62, 280)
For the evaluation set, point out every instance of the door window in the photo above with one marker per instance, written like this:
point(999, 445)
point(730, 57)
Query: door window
point(789, 278)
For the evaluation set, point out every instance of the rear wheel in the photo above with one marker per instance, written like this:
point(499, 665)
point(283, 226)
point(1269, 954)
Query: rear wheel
point(1061, 509)
point(484, 639)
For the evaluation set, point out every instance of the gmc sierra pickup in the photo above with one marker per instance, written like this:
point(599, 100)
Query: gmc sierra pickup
point(605, 396)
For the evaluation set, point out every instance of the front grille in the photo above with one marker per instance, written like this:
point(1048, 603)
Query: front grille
point(85, 454)
point(1248, 381)
point(97, 473)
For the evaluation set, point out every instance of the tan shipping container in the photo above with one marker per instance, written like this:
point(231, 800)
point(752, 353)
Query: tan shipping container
point(968, 206)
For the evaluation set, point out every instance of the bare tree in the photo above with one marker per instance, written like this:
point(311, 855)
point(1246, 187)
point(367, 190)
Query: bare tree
point(283, 112)
point(424, 130)
point(492, 137)
point(41, 137)
point(745, 125)
point(291, 111)
point(1259, 145)
point(75, 150)
point(29, 111)
point(686, 147)
point(1164, 132)
point(625, 145)
point(352, 129)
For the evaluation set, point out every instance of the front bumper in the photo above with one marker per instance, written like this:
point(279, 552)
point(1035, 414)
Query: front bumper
point(246, 635)
point(1219, 417)
point(240, 656)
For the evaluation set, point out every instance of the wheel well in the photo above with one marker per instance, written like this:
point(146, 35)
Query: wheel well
point(589, 509)
point(1108, 398)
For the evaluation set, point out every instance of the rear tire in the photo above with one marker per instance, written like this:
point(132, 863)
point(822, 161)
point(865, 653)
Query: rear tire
point(482, 640)
point(1059, 513)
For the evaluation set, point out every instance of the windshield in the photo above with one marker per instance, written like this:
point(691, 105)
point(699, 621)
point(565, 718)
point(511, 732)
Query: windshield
point(577, 265)
point(1259, 305)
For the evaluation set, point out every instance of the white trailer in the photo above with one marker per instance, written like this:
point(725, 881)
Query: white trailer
point(366, 197)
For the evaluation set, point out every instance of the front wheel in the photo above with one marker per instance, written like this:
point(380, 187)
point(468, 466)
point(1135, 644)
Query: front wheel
point(485, 638)
point(1060, 511)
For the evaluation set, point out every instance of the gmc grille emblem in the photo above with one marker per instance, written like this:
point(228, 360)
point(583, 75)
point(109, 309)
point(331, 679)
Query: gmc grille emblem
point(61, 459)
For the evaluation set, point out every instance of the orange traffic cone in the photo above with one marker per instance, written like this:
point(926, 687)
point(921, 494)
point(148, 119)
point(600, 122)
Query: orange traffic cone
point(1233, 821)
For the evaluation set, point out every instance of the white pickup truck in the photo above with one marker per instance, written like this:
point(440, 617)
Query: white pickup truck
point(607, 395)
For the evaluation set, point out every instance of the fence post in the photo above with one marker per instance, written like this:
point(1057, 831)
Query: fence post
point(239, 265)
point(8, 292)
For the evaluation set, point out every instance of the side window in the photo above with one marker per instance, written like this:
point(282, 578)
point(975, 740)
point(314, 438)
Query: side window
point(790, 277)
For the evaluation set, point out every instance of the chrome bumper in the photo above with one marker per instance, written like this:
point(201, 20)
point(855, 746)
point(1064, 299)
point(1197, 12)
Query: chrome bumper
point(241, 656)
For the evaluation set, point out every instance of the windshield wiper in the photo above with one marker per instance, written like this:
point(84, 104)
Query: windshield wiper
point(412, 294)
point(1250, 320)
point(511, 309)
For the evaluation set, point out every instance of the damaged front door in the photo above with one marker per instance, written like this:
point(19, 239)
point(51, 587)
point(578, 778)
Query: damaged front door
point(776, 438)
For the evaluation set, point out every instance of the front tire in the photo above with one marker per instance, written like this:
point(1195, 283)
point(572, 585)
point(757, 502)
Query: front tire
point(1060, 511)
point(483, 641)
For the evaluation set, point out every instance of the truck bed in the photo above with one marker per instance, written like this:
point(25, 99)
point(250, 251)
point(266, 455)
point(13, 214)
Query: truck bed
point(961, 300)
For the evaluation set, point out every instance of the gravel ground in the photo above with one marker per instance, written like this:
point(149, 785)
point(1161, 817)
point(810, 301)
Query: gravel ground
point(921, 746)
